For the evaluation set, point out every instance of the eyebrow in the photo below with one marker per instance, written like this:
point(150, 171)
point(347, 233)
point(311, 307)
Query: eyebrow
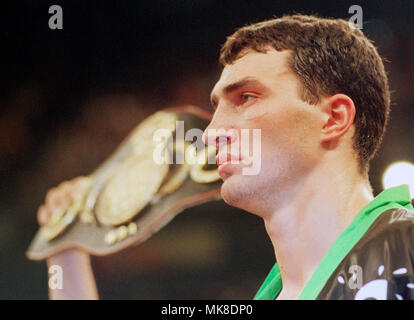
point(235, 86)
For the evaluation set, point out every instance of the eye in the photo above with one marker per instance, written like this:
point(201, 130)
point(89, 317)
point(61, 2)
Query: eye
point(246, 97)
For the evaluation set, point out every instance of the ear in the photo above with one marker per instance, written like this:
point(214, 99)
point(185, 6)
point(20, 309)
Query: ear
point(339, 111)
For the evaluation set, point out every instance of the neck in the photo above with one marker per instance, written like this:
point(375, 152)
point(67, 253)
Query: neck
point(319, 210)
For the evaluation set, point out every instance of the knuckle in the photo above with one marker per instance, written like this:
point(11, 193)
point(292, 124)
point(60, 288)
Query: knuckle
point(42, 215)
point(63, 185)
point(50, 193)
point(41, 210)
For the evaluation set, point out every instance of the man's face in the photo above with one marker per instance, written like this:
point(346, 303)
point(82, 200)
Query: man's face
point(259, 91)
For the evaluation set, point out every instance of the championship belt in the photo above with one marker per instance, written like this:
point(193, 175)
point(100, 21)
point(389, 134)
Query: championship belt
point(140, 188)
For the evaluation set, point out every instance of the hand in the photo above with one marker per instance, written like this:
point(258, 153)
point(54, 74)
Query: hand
point(58, 198)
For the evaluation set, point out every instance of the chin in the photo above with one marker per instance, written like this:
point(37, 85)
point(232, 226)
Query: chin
point(238, 191)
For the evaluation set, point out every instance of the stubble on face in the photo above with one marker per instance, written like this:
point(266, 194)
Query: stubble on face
point(286, 124)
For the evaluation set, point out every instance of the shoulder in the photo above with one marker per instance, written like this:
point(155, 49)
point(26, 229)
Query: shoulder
point(381, 264)
point(389, 242)
point(393, 232)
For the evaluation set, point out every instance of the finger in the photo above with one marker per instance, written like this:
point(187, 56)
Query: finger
point(75, 184)
point(78, 179)
point(57, 199)
point(65, 188)
point(55, 194)
point(68, 188)
point(51, 196)
point(43, 215)
point(60, 204)
point(63, 201)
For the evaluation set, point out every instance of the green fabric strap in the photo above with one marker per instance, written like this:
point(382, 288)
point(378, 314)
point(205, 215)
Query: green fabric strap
point(396, 197)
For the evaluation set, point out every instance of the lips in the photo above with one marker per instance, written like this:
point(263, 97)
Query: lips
point(224, 161)
point(224, 157)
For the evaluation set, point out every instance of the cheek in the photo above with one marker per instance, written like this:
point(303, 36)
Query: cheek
point(290, 138)
point(287, 130)
point(257, 113)
point(306, 129)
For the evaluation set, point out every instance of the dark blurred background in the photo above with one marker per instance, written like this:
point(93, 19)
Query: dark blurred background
point(69, 97)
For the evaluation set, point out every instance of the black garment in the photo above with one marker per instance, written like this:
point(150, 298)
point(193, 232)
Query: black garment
point(380, 265)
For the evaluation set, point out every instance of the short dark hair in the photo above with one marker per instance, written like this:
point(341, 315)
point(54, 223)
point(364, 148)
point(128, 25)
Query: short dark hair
point(329, 56)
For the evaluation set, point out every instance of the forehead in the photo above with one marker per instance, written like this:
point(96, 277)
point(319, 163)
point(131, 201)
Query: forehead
point(267, 67)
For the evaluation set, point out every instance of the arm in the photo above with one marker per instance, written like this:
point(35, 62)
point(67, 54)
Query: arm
point(77, 274)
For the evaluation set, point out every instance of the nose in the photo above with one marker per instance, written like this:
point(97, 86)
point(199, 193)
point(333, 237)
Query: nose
point(219, 135)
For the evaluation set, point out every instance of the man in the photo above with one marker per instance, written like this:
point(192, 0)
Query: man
point(318, 91)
